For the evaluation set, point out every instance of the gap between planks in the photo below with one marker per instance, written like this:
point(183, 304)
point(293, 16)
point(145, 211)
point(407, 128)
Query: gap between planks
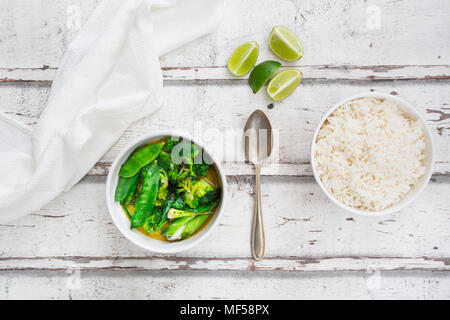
point(315, 72)
point(303, 264)
point(282, 169)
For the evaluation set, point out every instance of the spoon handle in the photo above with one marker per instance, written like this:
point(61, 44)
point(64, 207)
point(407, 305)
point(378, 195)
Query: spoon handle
point(258, 240)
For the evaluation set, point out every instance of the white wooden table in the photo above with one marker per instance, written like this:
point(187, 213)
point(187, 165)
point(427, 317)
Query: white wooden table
point(71, 249)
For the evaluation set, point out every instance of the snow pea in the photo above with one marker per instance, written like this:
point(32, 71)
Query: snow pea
point(127, 212)
point(193, 226)
point(126, 187)
point(139, 159)
point(165, 161)
point(174, 230)
point(147, 198)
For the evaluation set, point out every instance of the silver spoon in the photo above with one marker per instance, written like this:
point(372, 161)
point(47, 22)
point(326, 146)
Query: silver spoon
point(258, 147)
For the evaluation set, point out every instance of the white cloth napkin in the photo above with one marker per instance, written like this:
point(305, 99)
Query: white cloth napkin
point(109, 77)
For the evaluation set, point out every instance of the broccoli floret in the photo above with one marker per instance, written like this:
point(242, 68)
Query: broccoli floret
point(201, 188)
point(171, 143)
point(200, 170)
point(209, 197)
point(194, 190)
point(163, 190)
point(176, 177)
point(187, 188)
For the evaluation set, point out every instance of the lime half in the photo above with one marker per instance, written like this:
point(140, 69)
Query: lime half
point(243, 58)
point(284, 83)
point(285, 44)
point(261, 73)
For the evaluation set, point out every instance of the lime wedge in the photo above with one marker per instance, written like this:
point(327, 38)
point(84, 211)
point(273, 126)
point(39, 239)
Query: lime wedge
point(261, 73)
point(285, 44)
point(243, 58)
point(284, 83)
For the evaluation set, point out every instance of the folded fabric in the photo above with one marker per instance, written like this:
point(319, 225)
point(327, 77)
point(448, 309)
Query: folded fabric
point(109, 77)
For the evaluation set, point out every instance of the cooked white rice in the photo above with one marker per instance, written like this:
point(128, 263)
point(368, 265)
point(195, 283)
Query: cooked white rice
point(369, 153)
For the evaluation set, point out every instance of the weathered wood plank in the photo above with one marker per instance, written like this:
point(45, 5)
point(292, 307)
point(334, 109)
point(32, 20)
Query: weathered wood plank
point(207, 109)
point(291, 263)
point(223, 285)
point(310, 72)
point(304, 232)
point(338, 42)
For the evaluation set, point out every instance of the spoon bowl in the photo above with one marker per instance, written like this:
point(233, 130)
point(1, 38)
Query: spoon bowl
point(258, 137)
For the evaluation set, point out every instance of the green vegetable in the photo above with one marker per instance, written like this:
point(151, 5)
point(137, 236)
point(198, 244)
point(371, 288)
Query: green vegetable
point(165, 161)
point(193, 191)
point(163, 190)
point(210, 197)
point(171, 143)
point(174, 199)
point(204, 207)
point(174, 230)
point(200, 170)
point(125, 188)
point(139, 159)
point(148, 225)
point(202, 187)
point(127, 212)
point(184, 227)
point(175, 214)
point(187, 188)
point(159, 226)
point(178, 213)
point(193, 226)
point(131, 197)
point(179, 203)
point(162, 219)
point(147, 198)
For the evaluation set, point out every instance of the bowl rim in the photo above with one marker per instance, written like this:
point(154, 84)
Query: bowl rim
point(182, 245)
point(394, 207)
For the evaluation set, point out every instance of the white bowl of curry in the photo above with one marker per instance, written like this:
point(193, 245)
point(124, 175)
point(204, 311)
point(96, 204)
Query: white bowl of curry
point(165, 192)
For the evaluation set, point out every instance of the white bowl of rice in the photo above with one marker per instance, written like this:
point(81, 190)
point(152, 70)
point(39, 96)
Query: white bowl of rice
point(372, 154)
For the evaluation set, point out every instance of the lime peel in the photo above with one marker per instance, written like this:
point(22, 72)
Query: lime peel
point(262, 73)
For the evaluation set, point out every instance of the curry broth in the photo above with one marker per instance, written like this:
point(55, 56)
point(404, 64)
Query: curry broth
point(211, 177)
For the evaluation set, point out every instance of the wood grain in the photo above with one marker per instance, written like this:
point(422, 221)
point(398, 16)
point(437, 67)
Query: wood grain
point(304, 232)
point(303, 264)
point(203, 115)
point(339, 44)
point(164, 285)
